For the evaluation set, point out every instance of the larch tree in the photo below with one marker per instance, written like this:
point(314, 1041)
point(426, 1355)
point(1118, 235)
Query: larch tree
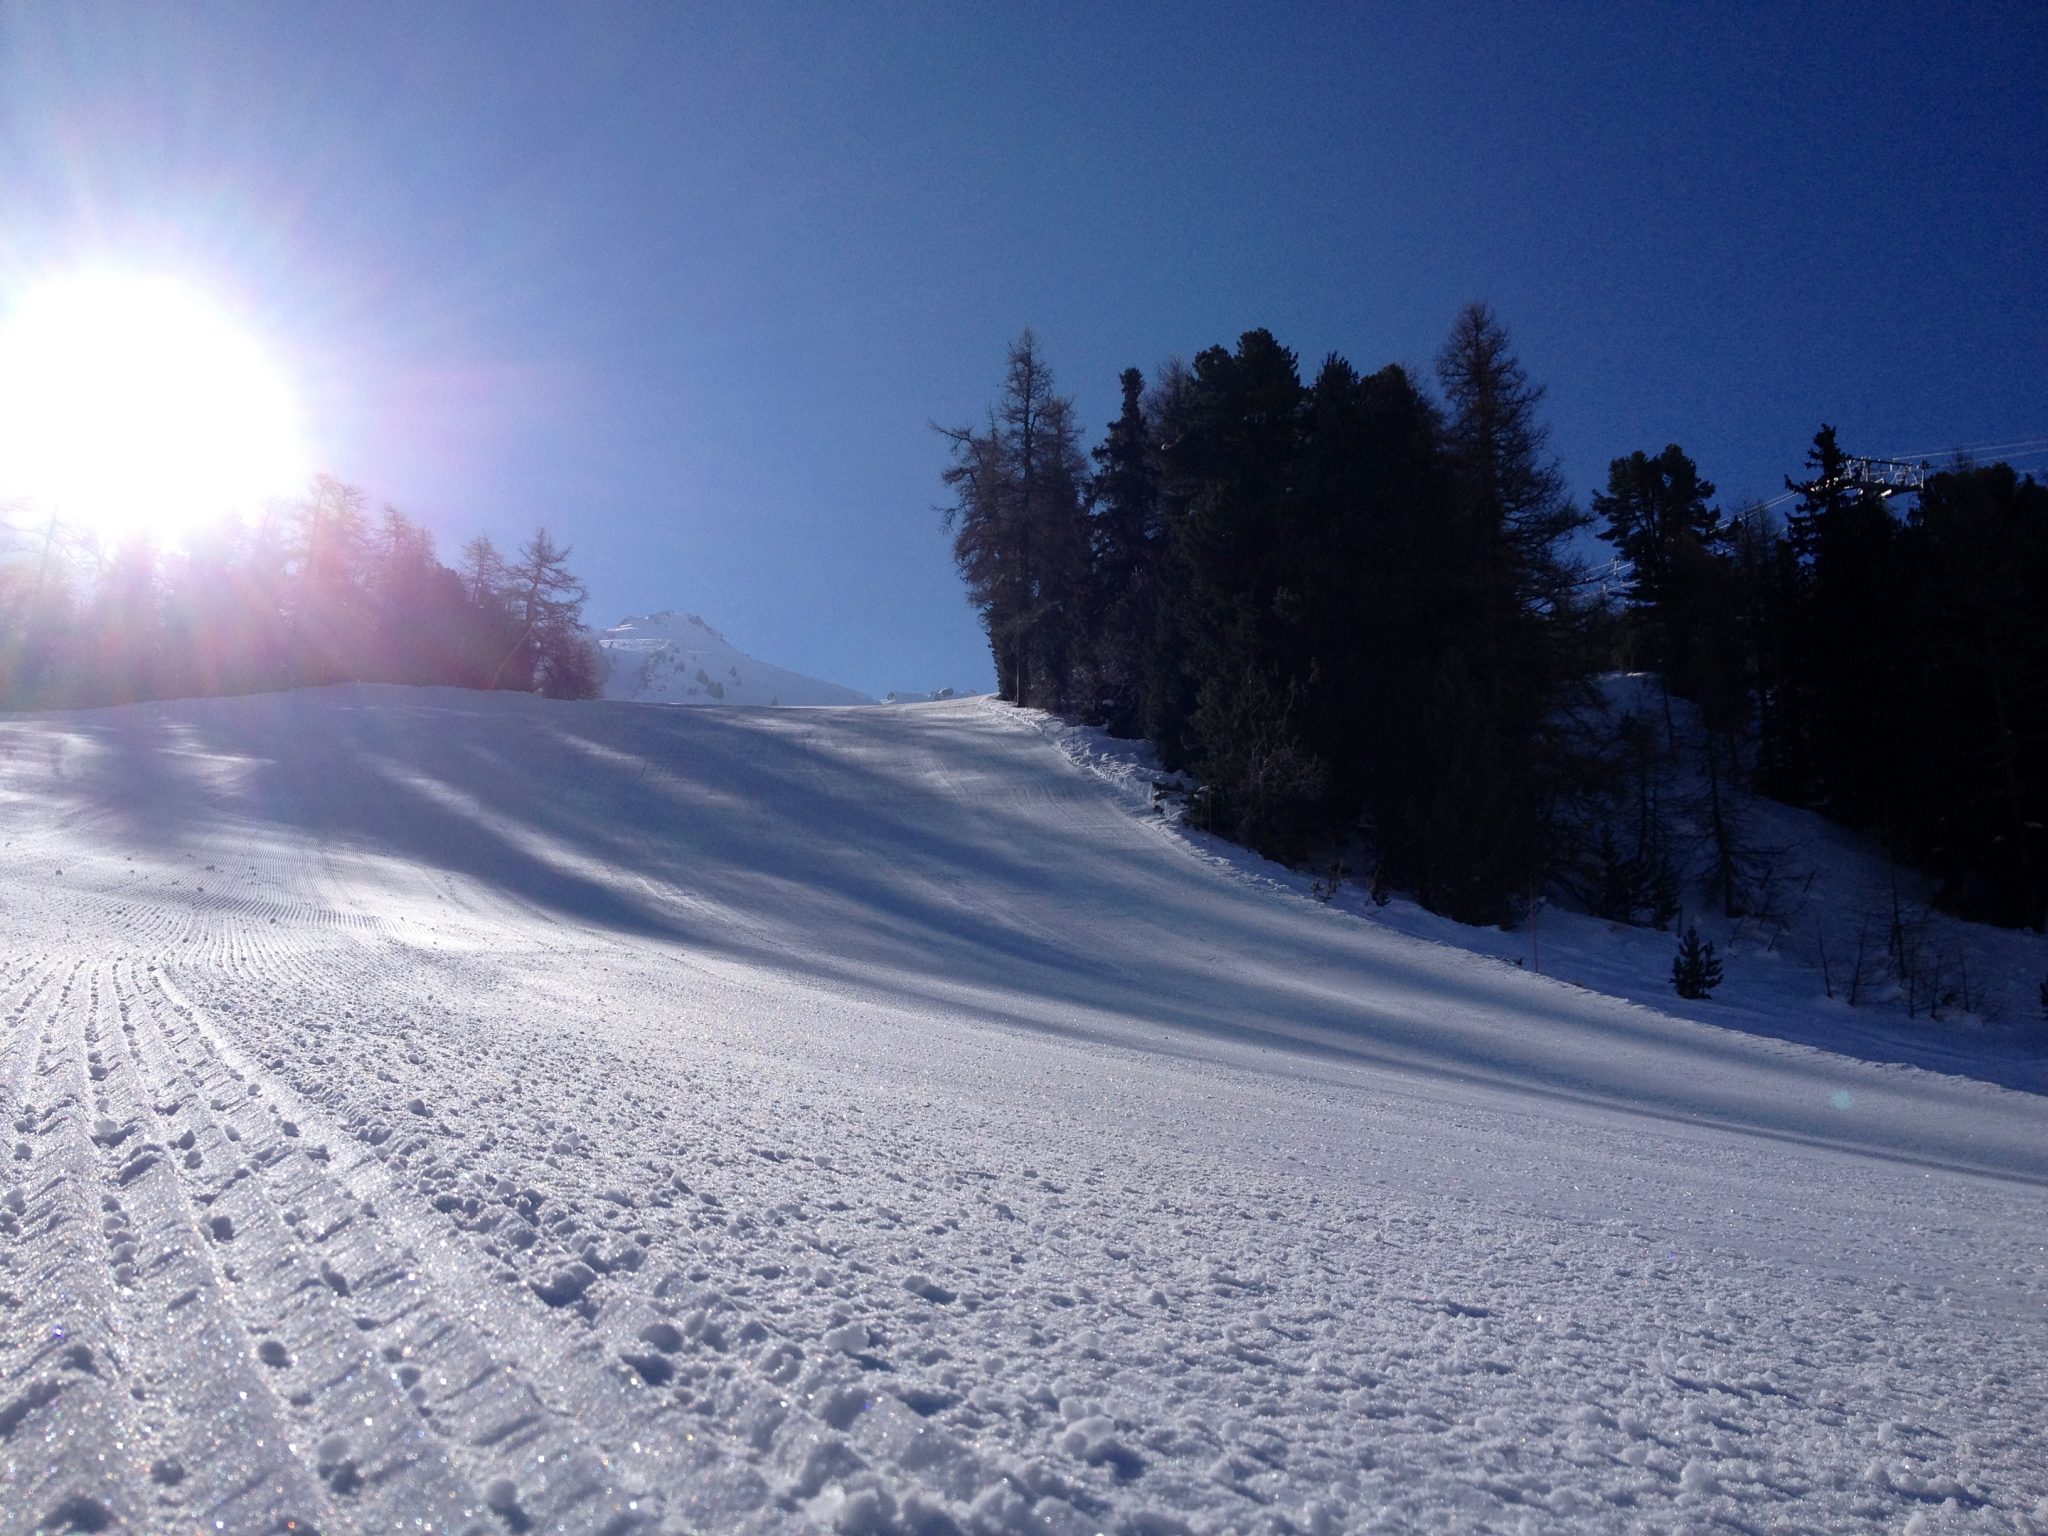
point(1524, 658)
point(331, 620)
point(1019, 525)
point(552, 655)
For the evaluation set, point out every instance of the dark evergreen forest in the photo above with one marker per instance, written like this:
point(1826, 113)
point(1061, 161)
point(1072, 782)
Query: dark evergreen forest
point(320, 591)
point(1366, 617)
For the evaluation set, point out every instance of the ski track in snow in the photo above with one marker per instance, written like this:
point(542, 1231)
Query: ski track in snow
point(440, 1112)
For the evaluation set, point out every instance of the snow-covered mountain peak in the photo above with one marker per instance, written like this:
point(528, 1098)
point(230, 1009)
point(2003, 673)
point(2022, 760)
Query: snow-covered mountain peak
point(677, 658)
point(666, 625)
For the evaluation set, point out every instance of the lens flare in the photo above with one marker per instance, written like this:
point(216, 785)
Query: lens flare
point(129, 404)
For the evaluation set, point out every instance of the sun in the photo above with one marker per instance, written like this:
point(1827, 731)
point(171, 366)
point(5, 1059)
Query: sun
point(129, 404)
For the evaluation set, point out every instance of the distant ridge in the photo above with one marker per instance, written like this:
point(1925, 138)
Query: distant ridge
point(677, 658)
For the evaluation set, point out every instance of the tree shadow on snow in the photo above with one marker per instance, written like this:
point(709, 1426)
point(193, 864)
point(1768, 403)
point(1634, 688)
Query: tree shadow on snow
point(943, 857)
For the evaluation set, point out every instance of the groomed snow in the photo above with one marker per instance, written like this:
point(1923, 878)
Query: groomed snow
point(441, 1111)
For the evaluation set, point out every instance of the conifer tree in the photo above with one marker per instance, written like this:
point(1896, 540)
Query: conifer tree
point(1525, 657)
point(1844, 653)
point(1655, 512)
point(417, 604)
point(1241, 556)
point(490, 627)
point(483, 570)
point(1499, 447)
point(1171, 677)
point(1695, 970)
point(330, 614)
point(1020, 534)
point(133, 660)
point(1825, 496)
point(38, 606)
point(1124, 546)
point(1400, 600)
point(1969, 787)
point(551, 656)
point(308, 592)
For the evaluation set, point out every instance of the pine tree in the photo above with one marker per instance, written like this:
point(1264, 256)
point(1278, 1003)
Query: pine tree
point(1244, 560)
point(1655, 512)
point(1399, 601)
point(1171, 676)
point(1695, 970)
point(1125, 543)
point(1769, 589)
point(1846, 655)
point(1825, 496)
point(1968, 774)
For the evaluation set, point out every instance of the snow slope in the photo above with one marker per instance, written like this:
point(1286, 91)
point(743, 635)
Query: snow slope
point(449, 1111)
point(676, 658)
point(1789, 975)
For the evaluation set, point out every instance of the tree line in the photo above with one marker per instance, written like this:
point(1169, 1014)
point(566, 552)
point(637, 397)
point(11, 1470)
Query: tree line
point(1362, 615)
point(309, 593)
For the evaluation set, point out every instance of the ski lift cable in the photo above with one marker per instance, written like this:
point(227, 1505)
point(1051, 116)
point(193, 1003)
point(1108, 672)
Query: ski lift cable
point(2029, 443)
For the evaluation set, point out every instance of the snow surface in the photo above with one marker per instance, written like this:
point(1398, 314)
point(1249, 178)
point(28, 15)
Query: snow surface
point(1789, 974)
point(676, 658)
point(434, 1111)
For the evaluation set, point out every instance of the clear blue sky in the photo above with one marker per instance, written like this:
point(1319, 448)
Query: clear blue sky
point(687, 283)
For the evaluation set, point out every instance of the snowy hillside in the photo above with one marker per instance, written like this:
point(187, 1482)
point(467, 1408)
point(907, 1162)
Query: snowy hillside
point(676, 658)
point(1807, 961)
point(449, 1111)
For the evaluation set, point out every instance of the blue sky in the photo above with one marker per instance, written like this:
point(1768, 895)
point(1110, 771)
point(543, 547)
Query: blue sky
point(688, 283)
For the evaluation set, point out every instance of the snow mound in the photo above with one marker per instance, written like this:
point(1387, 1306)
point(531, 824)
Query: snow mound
point(677, 658)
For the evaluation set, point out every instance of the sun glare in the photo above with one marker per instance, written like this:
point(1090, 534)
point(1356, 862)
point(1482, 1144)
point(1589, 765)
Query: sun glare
point(128, 404)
